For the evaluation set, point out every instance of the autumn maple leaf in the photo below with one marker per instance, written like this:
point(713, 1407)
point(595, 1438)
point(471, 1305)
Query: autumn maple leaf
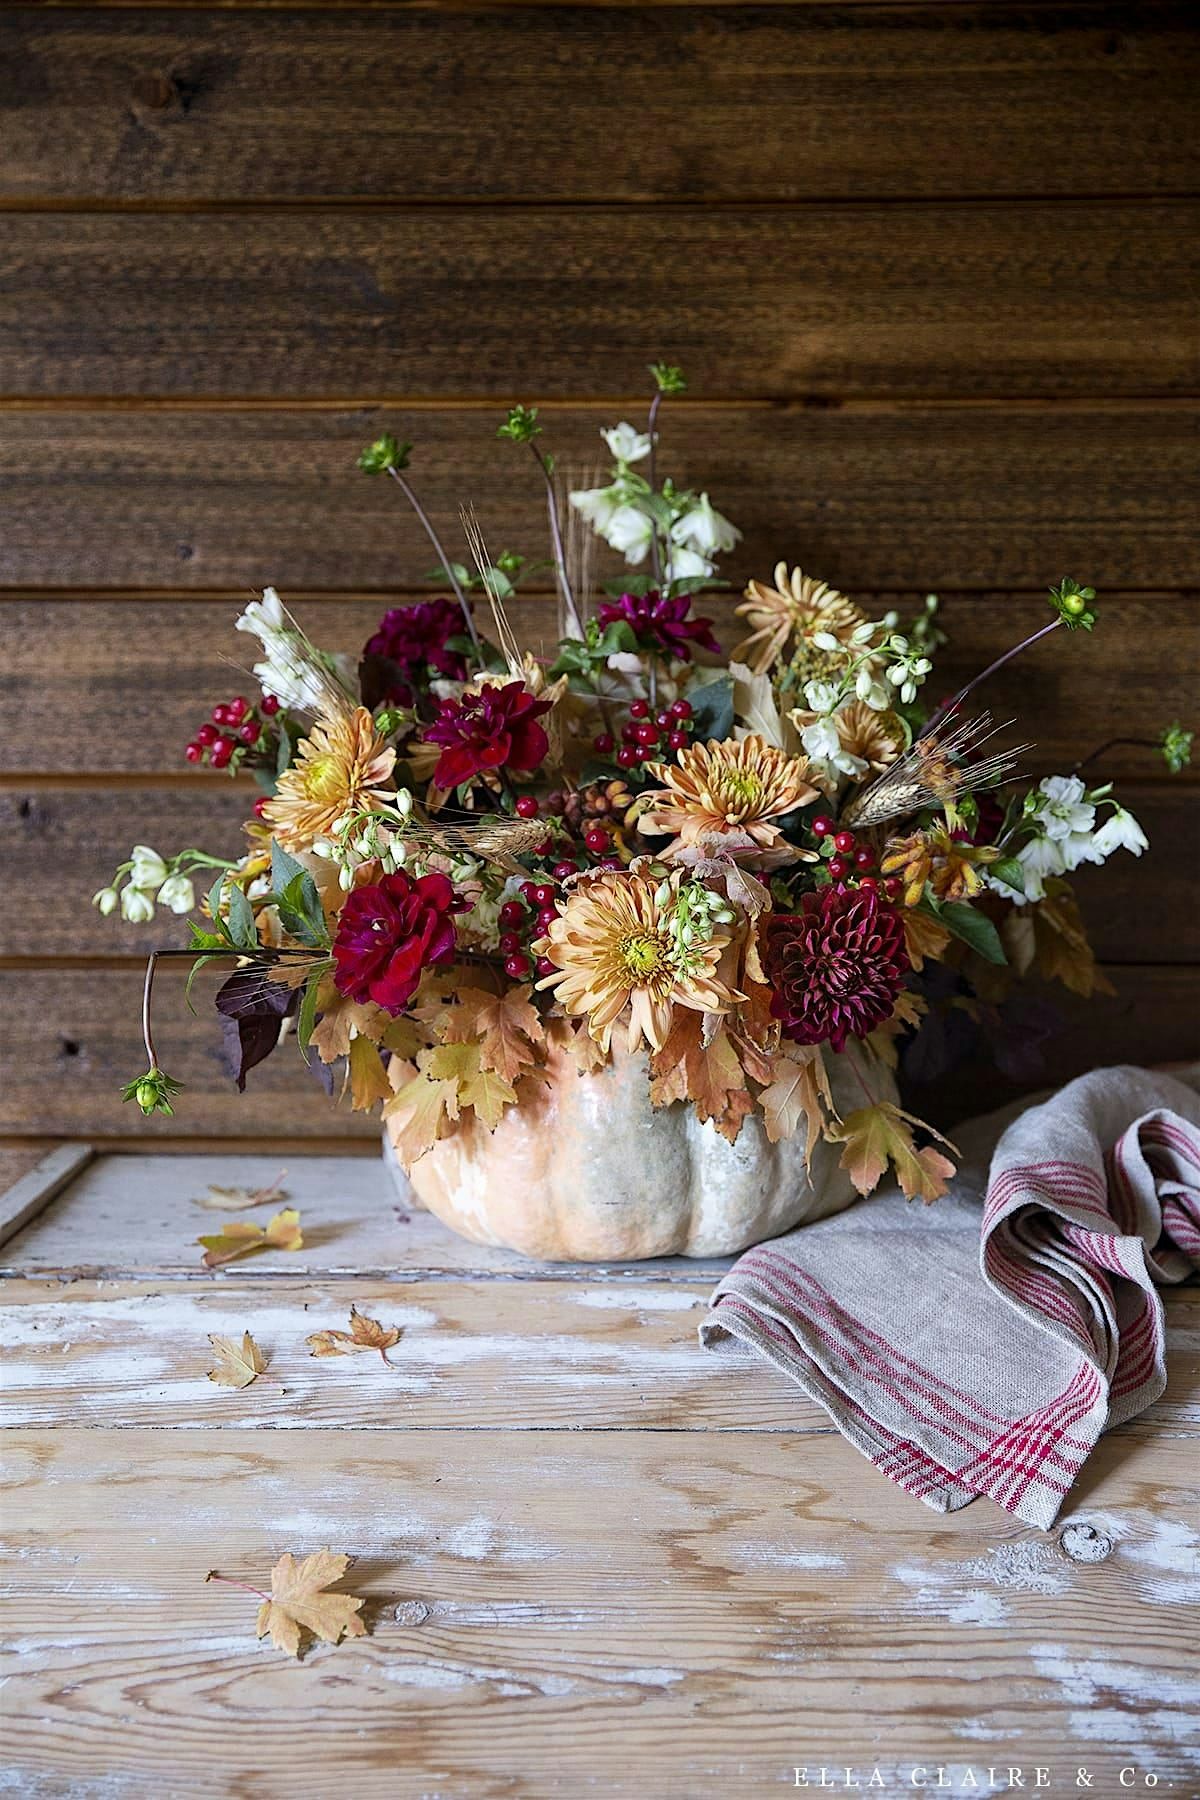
point(364, 1334)
point(877, 1135)
point(236, 1199)
point(241, 1237)
point(237, 1364)
point(505, 1026)
point(298, 1601)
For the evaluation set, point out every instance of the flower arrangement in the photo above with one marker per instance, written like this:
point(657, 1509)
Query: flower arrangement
point(469, 854)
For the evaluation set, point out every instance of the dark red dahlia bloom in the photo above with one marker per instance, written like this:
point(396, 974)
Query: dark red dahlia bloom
point(389, 934)
point(414, 639)
point(497, 728)
point(836, 966)
point(660, 624)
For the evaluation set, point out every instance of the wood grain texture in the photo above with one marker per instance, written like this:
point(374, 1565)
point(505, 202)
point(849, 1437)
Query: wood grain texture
point(1027, 299)
point(1137, 672)
point(694, 103)
point(484, 1355)
point(1137, 910)
point(550, 1612)
point(929, 497)
point(81, 1042)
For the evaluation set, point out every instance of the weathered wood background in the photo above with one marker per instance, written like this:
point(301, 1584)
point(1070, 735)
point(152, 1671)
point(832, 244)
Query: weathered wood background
point(931, 271)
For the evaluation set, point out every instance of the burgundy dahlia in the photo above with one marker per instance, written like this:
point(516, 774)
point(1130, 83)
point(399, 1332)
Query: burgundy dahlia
point(415, 639)
point(389, 934)
point(497, 728)
point(836, 966)
point(660, 624)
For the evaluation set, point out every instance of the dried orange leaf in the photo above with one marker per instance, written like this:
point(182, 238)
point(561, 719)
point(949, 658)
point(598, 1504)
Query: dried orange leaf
point(241, 1237)
point(505, 1026)
point(237, 1199)
point(237, 1364)
point(299, 1602)
point(368, 1077)
point(364, 1334)
point(877, 1135)
point(800, 1090)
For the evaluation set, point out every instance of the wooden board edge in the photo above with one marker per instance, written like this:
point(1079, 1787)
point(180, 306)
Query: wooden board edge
point(34, 1191)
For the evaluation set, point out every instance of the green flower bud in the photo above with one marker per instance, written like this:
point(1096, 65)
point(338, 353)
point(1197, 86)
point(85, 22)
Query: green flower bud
point(106, 900)
point(384, 454)
point(668, 378)
point(153, 1091)
point(1071, 603)
point(521, 426)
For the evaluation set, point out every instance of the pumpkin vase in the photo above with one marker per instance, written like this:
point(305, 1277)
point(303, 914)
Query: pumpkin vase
point(588, 1171)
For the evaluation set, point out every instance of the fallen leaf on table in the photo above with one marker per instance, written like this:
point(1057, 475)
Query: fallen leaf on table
point(236, 1199)
point(364, 1334)
point(298, 1601)
point(237, 1364)
point(241, 1237)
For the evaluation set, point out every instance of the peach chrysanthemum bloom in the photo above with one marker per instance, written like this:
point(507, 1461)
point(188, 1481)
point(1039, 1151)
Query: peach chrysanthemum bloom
point(618, 958)
point(795, 608)
point(733, 788)
point(340, 768)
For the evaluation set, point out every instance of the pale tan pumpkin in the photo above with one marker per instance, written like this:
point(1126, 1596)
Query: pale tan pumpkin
point(588, 1171)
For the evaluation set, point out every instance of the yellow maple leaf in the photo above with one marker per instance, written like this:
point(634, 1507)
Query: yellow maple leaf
point(236, 1199)
point(1061, 945)
point(506, 1027)
point(418, 1113)
point(364, 1334)
point(368, 1077)
point(482, 1089)
point(237, 1364)
point(924, 936)
point(298, 1601)
point(331, 1035)
point(877, 1135)
point(241, 1237)
point(577, 1042)
point(799, 1090)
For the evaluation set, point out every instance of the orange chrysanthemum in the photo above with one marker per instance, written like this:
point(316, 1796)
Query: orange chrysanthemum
point(618, 959)
point(339, 768)
point(731, 789)
point(795, 608)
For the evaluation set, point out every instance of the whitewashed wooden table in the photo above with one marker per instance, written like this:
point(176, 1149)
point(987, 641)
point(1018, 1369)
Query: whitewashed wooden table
point(596, 1560)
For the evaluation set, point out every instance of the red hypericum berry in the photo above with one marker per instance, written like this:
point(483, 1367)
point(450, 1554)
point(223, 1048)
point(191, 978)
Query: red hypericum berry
point(864, 857)
point(646, 733)
point(678, 740)
point(517, 967)
point(822, 825)
point(639, 709)
point(844, 842)
point(837, 866)
point(610, 862)
point(563, 871)
point(511, 943)
point(220, 714)
point(603, 742)
point(512, 912)
point(546, 919)
point(269, 705)
point(249, 732)
point(682, 709)
point(528, 890)
point(596, 839)
point(546, 967)
point(237, 709)
point(627, 757)
point(891, 887)
point(663, 720)
point(867, 881)
point(207, 734)
point(194, 752)
point(526, 807)
point(221, 752)
point(545, 848)
point(542, 895)
point(629, 734)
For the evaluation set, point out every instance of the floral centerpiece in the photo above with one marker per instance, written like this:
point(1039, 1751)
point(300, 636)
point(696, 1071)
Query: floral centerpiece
point(485, 877)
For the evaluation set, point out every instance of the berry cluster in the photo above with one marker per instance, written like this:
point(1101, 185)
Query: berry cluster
point(234, 726)
point(850, 861)
point(523, 921)
point(646, 738)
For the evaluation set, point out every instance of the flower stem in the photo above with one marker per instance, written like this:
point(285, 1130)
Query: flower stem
point(953, 704)
point(1114, 744)
point(230, 1582)
point(556, 540)
point(652, 431)
point(431, 534)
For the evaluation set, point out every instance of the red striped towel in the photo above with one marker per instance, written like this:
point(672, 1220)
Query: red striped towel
point(982, 1344)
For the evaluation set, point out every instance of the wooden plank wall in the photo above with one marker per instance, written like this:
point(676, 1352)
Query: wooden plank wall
point(931, 271)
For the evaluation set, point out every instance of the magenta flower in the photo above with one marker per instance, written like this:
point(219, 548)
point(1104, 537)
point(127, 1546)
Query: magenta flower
point(837, 966)
point(390, 933)
point(660, 624)
point(497, 728)
point(415, 639)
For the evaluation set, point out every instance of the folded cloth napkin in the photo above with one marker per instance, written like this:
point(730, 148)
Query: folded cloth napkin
point(981, 1345)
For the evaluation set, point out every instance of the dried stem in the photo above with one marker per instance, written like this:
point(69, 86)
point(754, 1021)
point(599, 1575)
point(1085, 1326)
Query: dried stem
point(432, 535)
point(1117, 743)
point(556, 537)
point(652, 431)
point(953, 704)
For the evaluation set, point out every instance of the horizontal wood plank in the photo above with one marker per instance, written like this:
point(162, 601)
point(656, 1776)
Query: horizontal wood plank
point(1028, 299)
point(1137, 910)
point(78, 1031)
point(155, 666)
point(494, 1355)
point(929, 497)
point(550, 1612)
point(644, 103)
